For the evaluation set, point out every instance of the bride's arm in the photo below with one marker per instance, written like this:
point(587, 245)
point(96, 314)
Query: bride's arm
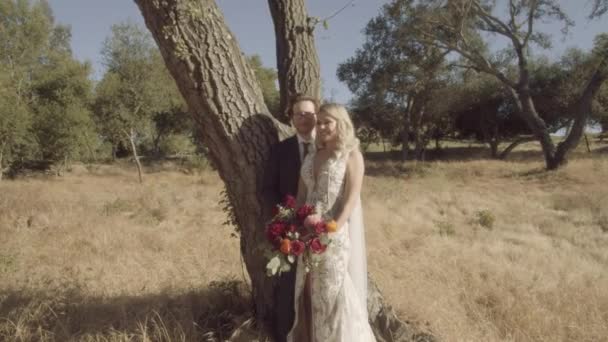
point(354, 179)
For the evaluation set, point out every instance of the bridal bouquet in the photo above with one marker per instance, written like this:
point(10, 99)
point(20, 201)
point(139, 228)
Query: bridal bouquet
point(293, 232)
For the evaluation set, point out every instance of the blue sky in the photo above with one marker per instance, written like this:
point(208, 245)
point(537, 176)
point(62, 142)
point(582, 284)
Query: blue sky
point(250, 22)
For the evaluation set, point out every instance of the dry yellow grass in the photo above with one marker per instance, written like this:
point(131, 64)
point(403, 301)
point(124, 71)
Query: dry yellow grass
point(476, 250)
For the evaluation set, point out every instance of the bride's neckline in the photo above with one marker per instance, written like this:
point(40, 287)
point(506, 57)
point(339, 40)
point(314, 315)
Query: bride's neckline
point(316, 173)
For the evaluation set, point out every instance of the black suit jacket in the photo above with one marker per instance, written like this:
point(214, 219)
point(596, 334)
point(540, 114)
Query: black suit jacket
point(281, 179)
point(283, 171)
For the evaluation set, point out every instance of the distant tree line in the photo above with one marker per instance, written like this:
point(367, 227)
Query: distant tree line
point(51, 111)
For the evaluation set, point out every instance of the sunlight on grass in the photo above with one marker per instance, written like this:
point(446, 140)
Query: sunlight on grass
point(475, 250)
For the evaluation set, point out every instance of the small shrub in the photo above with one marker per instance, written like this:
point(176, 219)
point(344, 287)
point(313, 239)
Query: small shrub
point(119, 205)
point(159, 214)
point(486, 219)
point(446, 228)
point(7, 264)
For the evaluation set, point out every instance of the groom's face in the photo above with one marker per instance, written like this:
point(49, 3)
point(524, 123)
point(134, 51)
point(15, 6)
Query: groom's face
point(304, 117)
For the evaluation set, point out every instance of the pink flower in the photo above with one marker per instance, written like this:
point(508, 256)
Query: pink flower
point(316, 246)
point(320, 228)
point(297, 247)
point(312, 220)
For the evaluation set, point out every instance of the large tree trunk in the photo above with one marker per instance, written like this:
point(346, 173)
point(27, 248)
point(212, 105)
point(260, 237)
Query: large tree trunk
point(297, 60)
point(225, 98)
point(223, 95)
point(556, 156)
point(581, 111)
point(538, 127)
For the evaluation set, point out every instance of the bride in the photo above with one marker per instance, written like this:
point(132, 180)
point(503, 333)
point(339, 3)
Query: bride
point(331, 300)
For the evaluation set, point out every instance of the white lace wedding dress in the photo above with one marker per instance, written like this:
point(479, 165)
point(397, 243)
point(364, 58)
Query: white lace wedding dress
point(339, 308)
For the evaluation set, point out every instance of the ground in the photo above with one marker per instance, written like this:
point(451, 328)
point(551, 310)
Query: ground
point(472, 249)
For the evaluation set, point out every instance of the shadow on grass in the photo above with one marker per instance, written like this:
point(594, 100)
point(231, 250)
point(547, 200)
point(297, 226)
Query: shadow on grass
point(601, 150)
point(208, 314)
point(454, 154)
point(389, 163)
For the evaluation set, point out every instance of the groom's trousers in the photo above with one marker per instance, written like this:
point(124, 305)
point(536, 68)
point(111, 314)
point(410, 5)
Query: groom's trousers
point(284, 296)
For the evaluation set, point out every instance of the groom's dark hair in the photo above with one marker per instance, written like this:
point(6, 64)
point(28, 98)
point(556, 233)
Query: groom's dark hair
point(299, 97)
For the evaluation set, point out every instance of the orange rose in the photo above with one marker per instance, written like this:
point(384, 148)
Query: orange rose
point(285, 246)
point(332, 226)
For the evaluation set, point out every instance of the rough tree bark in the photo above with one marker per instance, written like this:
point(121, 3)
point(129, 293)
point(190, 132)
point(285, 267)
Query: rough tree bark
point(582, 109)
point(297, 61)
point(223, 95)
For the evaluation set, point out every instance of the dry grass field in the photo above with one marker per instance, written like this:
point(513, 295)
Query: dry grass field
point(475, 250)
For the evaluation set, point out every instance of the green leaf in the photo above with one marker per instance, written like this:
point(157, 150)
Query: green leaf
point(326, 24)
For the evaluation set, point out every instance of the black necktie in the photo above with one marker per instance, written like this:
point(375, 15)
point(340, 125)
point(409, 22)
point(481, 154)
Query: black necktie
point(305, 149)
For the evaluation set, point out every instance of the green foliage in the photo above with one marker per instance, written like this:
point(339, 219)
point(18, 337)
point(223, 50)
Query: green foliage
point(230, 211)
point(63, 125)
point(267, 77)
point(446, 228)
point(44, 92)
point(395, 79)
point(138, 95)
point(486, 219)
point(8, 264)
point(177, 144)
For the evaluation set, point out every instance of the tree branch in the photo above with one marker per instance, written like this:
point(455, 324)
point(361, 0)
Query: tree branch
point(531, 14)
point(493, 21)
point(338, 11)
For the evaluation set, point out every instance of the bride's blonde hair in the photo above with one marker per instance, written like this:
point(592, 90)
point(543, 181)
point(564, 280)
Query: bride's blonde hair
point(347, 141)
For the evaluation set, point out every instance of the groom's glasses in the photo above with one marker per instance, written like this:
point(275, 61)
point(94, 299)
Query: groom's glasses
point(304, 114)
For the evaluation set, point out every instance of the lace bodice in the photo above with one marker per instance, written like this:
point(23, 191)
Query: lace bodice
point(325, 193)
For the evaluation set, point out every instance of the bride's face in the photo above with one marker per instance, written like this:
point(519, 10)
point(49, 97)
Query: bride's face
point(326, 128)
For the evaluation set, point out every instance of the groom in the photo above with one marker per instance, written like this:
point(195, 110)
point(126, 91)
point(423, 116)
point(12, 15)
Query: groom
point(280, 180)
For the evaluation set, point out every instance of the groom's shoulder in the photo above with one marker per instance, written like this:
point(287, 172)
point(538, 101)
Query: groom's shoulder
point(287, 143)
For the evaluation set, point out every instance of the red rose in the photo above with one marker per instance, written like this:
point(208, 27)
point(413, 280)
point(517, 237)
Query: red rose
point(274, 231)
point(316, 246)
point(304, 211)
point(297, 247)
point(320, 228)
point(289, 201)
